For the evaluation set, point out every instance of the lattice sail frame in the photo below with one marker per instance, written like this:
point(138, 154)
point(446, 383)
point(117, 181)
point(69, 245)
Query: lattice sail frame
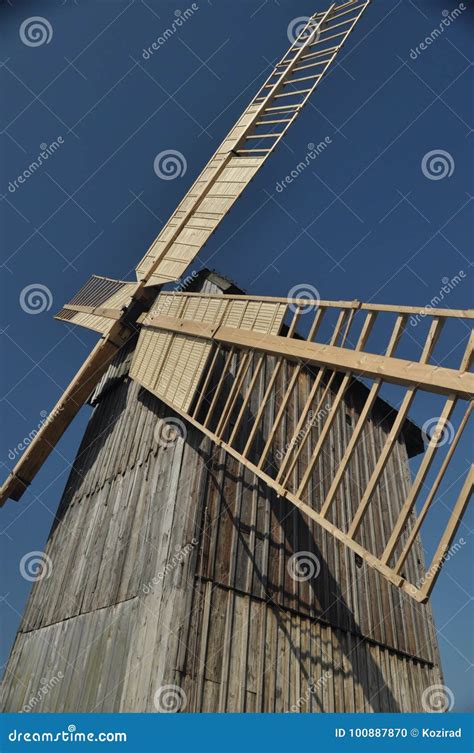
point(251, 141)
point(173, 323)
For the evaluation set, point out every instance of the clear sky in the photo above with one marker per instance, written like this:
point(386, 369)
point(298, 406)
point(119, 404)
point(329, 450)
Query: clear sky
point(363, 222)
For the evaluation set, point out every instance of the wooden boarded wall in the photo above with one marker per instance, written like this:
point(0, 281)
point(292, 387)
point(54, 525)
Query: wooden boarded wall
point(170, 565)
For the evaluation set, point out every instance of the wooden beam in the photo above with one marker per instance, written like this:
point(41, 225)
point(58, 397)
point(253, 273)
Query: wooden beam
point(428, 458)
point(72, 399)
point(383, 308)
point(434, 569)
point(289, 462)
point(431, 495)
point(397, 426)
point(95, 311)
point(367, 409)
point(276, 422)
point(271, 383)
point(364, 335)
point(435, 379)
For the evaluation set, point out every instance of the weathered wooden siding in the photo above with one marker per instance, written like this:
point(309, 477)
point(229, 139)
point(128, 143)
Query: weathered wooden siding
point(225, 621)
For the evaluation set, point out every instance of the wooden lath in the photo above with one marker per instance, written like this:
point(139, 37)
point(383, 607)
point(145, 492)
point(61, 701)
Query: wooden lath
point(250, 142)
point(99, 303)
point(219, 402)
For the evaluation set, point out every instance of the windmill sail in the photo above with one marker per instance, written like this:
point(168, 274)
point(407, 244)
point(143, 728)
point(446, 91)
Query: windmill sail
point(99, 303)
point(202, 354)
point(244, 150)
point(251, 141)
point(219, 388)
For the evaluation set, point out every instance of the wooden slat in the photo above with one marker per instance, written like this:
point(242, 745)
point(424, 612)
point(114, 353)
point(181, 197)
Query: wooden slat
point(281, 411)
point(434, 569)
point(369, 404)
point(269, 389)
point(68, 405)
point(432, 337)
point(365, 333)
point(288, 461)
point(434, 488)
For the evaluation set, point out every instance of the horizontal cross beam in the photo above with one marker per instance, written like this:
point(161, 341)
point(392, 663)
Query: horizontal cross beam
point(397, 370)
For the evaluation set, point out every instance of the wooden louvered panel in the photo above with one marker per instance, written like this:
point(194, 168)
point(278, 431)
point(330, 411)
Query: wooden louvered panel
point(172, 366)
point(99, 302)
point(96, 323)
point(197, 230)
point(160, 359)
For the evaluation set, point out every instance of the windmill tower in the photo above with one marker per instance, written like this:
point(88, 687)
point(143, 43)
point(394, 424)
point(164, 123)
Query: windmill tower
point(239, 531)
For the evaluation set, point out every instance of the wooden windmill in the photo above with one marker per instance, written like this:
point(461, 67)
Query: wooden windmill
point(279, 424)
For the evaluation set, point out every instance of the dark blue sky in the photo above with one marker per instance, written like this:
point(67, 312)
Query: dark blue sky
point(363, 222)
